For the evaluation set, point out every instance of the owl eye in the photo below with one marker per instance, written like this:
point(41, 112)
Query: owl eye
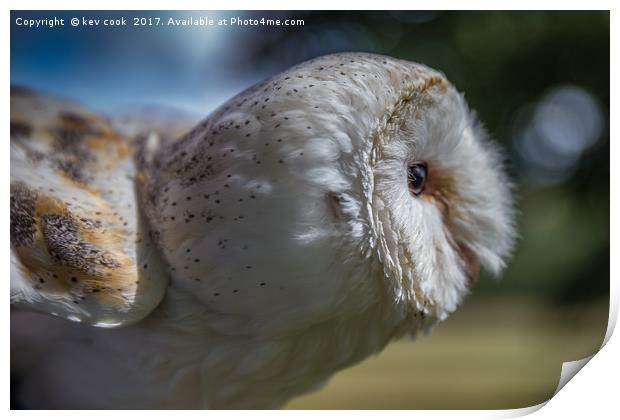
point(417, 177)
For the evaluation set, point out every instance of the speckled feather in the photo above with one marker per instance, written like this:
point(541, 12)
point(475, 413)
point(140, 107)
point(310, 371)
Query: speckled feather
point(78, 247)
point(292, 242)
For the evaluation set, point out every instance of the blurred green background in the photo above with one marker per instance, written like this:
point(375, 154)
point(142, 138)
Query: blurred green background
point(539, 82)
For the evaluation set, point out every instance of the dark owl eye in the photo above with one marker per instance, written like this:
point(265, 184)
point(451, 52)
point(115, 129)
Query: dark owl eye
point(417, 177)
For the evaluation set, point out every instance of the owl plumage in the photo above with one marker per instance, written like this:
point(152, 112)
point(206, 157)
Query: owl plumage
point(283, 230)
point(78, 248)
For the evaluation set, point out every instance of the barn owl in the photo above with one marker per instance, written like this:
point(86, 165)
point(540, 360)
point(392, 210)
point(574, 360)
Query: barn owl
point(298, 229)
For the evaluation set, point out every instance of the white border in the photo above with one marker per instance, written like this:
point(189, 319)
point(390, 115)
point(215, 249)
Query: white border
point(594, 390)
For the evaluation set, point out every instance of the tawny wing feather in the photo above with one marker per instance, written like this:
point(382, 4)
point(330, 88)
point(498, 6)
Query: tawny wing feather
point(79, 247)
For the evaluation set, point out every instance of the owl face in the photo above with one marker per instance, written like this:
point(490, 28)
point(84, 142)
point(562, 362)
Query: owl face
point(441, 201)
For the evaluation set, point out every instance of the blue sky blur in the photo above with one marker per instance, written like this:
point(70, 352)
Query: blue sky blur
point(110, 67)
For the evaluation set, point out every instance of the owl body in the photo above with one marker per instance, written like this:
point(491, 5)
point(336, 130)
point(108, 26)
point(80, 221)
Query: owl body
point(292, 241)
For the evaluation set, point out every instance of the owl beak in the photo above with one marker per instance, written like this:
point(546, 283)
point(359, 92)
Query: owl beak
point(471, 262)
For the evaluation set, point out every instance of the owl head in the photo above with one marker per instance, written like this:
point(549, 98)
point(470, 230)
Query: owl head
point(351, 186)
point(418, 188)
point(441, 202)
